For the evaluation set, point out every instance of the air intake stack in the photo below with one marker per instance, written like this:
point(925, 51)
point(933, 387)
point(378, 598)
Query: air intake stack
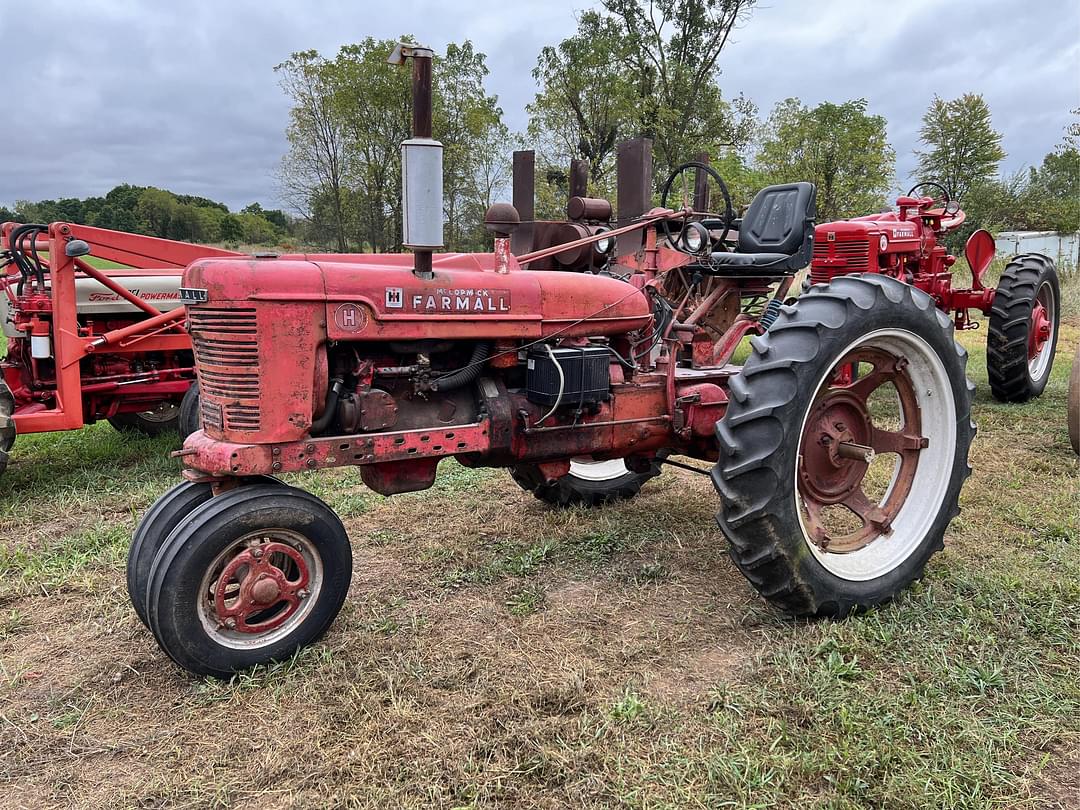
point(421, 165)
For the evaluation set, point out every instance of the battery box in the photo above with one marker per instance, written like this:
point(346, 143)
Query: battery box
point(585, 370)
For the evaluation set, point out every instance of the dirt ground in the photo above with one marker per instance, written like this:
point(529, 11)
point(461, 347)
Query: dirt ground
point(494, 652)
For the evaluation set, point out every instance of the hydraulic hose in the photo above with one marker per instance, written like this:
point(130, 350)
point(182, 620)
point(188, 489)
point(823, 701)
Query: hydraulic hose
point(330, 409)
point(466, 375)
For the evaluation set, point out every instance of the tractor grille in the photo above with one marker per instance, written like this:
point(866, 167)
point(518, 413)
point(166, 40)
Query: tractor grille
point(227, 352)
point(857, 253)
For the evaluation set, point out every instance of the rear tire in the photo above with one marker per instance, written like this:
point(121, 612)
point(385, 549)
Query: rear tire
point(589, 483)
point(163, 419)
point(776, 477)
point(252, 576)
point(189, 420)
point(1019, 343)
point(7, 424)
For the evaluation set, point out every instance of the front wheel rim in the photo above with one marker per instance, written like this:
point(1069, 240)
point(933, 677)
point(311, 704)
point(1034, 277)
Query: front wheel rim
point(892, 522)
point(260, 588)
point(1040, 339)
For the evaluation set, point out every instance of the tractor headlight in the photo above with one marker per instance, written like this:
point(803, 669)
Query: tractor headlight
point(883, 243)
point(603, 246)
point(695, 238)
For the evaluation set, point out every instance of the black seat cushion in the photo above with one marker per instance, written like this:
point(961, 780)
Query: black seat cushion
point(748, 259)
point(776, 220)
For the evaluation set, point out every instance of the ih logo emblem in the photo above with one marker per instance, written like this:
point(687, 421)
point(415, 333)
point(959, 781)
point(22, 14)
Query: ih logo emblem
point(395, 297)
point(350, 318)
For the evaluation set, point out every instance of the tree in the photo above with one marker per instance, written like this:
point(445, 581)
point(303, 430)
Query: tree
point(586, 97)
point(963, 149)
point(350, 115)
point(315, 165)
point(675, 47)
point(840, 147)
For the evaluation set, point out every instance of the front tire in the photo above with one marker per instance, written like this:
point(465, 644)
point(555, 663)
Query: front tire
point(588, 483)
point(252, 576)
point(813, 530)
point(155, 527)
point(1023, 328)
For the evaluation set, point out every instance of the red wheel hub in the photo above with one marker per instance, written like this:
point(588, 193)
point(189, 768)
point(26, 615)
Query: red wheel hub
point(838, 420)
point(839, 442)
point(1040, 330)
point(261, 587)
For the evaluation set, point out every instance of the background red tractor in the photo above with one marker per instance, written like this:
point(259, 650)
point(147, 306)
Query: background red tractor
point(85, 344)
point(581, 379)
point(907, 244)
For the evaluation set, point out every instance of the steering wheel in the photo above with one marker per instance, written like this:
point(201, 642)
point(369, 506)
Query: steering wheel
point(698, 168)
point(944, 197)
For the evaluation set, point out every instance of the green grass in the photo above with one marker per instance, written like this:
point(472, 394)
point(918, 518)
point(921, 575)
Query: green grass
point(496, 653)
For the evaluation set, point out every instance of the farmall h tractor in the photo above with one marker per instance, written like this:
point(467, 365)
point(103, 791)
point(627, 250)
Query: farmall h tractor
point(1024, 308)
point(85, 344)
point(580, 379)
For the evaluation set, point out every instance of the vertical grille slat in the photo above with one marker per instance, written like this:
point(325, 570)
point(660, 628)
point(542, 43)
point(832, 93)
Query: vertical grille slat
point(227, 352)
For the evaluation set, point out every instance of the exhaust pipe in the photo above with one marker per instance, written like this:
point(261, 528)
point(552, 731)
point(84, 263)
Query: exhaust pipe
point(421, 165)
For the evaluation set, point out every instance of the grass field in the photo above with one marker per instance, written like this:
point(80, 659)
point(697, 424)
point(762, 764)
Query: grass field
point(495, 653)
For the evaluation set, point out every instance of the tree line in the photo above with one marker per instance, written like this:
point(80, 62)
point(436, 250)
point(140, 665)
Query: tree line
point(631, 68)
point(157, 212)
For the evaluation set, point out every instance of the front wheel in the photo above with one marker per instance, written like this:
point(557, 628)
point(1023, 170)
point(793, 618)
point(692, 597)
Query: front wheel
point(252, 576)
point(1023, 330)
point(835, 493)
point(588, 483)
point(155, 527)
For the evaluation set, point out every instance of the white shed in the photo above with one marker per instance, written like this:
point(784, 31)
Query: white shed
point(1063, 248)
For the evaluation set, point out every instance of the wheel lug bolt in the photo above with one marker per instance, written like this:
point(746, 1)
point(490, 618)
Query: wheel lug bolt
point(230, 623)
point(256, 553)
point(303, 593)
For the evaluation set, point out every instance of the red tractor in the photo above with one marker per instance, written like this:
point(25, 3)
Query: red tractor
point(85, 344)
point(581, 380)
point(906, 244)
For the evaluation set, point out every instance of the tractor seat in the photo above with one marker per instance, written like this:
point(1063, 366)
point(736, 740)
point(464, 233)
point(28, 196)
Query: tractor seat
point(775, 235)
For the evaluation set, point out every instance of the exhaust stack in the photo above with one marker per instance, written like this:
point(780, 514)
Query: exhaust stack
point(421, 165)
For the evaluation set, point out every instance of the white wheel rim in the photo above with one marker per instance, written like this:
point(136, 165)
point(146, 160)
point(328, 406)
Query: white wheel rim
point(1039, 365)
point(937, 404)
point(237, 640)
point(589, 470)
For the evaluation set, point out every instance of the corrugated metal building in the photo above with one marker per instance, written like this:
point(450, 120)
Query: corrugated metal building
point(1063, 248)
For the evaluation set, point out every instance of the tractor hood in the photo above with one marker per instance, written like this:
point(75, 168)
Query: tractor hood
point(378, 297)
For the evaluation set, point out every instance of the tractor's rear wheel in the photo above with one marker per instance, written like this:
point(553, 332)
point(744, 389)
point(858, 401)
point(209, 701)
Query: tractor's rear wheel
point(189, 420)
point(251, 576)
point(164, 418)
point(7, 424)
point(836, 494)
point(154, 529)
point(588, 483)
point(1023, 329)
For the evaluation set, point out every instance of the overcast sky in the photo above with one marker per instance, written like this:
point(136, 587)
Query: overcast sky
point(182, 95)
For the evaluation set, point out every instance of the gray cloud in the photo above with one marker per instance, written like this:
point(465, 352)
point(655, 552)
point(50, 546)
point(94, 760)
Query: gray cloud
point(183, 95)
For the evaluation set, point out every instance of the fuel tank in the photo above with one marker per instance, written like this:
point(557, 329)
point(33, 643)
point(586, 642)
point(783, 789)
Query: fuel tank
point(378, 297)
